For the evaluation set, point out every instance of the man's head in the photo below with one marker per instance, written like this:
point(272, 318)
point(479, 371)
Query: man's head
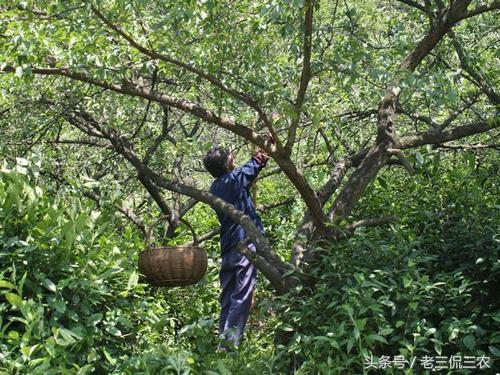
point(218, 161)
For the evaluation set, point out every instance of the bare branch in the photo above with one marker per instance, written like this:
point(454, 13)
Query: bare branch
point(148, 105)
point(272, 274)
point(404, 162)
point(446, 21)
point(152, 181)
point(84, 142)
point(131, 89)
point(160, 138)
point(262, 207)
point(148, 185)
point(378, 155)
point(206, 236)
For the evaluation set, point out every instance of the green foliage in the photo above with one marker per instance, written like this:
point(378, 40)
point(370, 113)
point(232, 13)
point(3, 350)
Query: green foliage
point(425, 286)
point(71, 300)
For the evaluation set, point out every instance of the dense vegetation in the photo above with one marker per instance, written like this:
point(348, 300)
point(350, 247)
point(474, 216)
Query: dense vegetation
point(72, 301)
point(380, 201)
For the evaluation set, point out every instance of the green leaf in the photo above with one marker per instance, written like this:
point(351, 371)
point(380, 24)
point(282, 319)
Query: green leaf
point(430, 332)
point(108, 356)
point(14, 299)
point(110, 272)
point(360, 323)
point(132, 280)
point(494, 350)
point(59, 305)
point(407, 281)
point(286, 328)
point(375, 337)
point(382, 182)
point(65, 337)
point(113, 330)
point(385, 331)
point(49, 285)
point(356, 333)
point(95, 318)
point(419, 157)
point(350, 344)
point(469, 342)
point(6, 284)
point(438, 346)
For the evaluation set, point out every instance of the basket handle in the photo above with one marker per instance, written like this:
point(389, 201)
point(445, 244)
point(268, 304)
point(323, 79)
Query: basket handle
point(161, 218)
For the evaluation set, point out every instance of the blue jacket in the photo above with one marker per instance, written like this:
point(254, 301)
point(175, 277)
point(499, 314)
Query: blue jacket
point(234, 188)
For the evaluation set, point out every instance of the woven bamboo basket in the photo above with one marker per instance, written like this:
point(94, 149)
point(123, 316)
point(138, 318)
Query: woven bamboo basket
point(172, 265)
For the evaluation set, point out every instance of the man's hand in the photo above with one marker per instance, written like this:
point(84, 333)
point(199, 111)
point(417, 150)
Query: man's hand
point(261, 157)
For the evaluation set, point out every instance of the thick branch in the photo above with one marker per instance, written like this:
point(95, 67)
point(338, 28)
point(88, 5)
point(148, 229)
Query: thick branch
point(339, 171)
point(263, 207)
point(155, 193)
point(436, 137)
point(206, 236)
point(272, 274)
point(160, 138)
point(478, 146)
point(441, 27)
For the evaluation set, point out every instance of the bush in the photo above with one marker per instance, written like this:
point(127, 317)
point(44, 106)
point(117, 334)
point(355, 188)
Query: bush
point(426, 286)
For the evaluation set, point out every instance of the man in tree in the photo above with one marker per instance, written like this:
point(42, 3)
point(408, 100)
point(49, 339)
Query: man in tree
point(237, 275)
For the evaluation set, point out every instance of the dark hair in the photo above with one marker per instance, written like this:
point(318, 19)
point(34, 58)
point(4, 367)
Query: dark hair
point(216, 161)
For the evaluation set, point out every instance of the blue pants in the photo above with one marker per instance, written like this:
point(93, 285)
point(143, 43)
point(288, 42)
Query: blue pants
point(237, 278)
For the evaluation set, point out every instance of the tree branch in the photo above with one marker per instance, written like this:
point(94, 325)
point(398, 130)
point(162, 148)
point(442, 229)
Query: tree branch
point(128, 213)
point(378, 155)
point(160, 138)
point(282, 158)
point(263, 207)
point(479, 146)
point(481, 9)
point(148, 105)
point(415, 5)
point(437, 137)
point(478, 79)
point(372, 222)
point(305, 75)
point(245, 98)
point(152, 180)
